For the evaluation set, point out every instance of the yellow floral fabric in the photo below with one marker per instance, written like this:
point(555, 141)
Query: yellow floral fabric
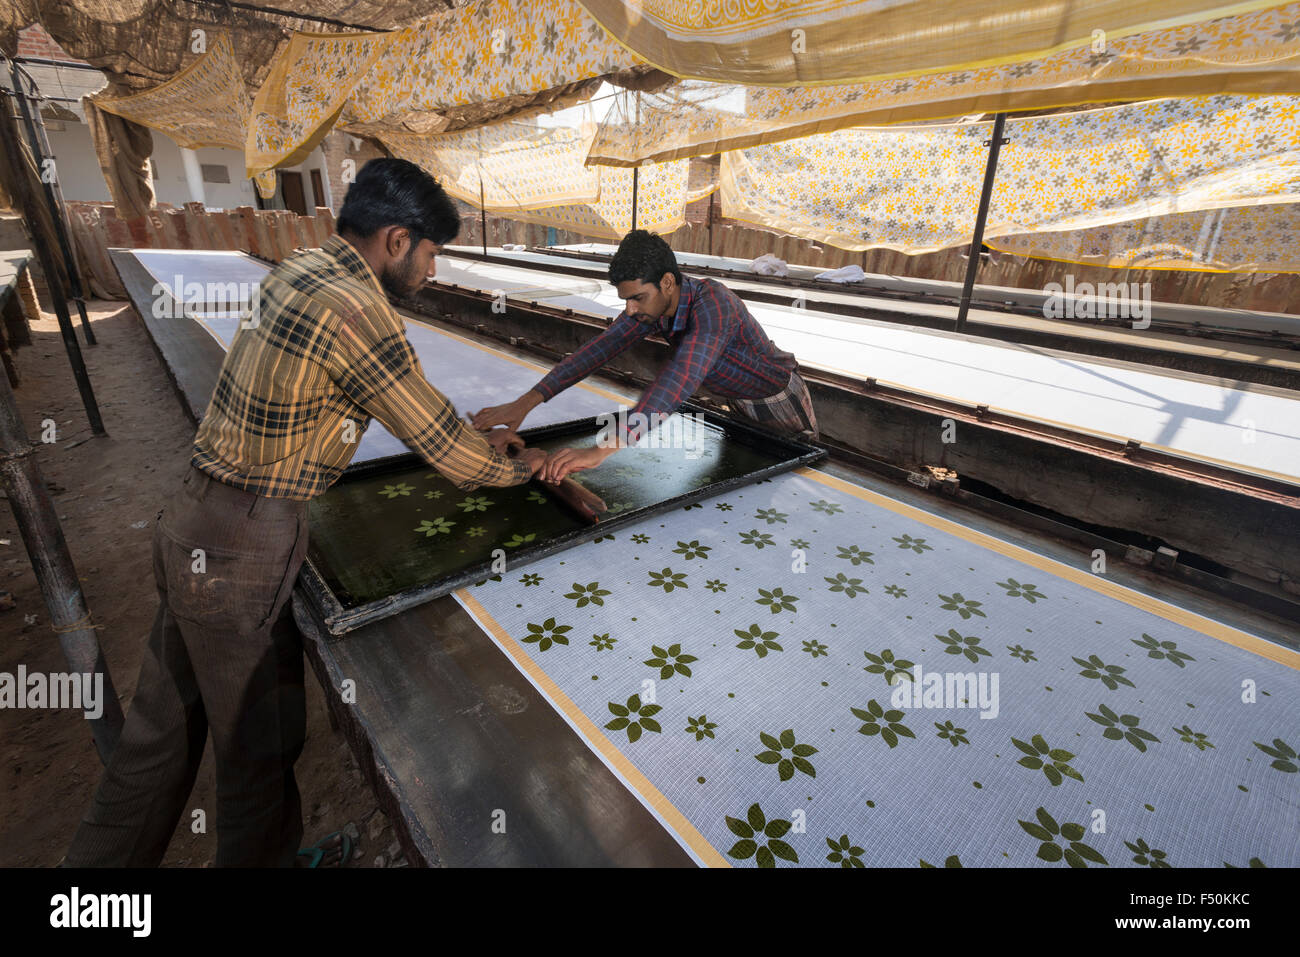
point(522, 165)
point(206, 105)
point(1263, 238)
point(1256, 52)
point(815, 42)
point(916, 189)
point(308, 84)
point(484, 51)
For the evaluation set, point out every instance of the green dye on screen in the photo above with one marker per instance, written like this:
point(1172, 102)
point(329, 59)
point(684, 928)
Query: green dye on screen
point(381, 535)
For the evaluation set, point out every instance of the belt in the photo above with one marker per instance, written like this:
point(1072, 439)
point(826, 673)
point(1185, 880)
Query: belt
point(206, 488)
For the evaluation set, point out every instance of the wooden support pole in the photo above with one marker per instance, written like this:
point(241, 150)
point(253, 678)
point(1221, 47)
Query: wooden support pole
point(986, 194)
point(20, 477)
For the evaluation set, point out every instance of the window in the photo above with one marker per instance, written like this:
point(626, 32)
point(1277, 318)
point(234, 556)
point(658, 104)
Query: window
point(215, 173)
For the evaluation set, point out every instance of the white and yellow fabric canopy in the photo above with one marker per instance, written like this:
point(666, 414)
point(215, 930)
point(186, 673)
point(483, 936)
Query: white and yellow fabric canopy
point(917, 189)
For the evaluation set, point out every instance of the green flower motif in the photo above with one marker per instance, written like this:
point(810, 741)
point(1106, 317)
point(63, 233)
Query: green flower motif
point(1145, 856)
point(692, 549)
point(952, 861)
point(436, 527)
point(896, 590)
point(723, 507)
point(967, 645)
point(1024, 654)
point(953, 735)
point(850, 586)
point(798, 543)
point(715, 585)
point(887, 724)
point(640, 538)
point(894, 669)
point(1047, 831)
point(1254, 862)
point(917, 545)
point(1285, 754)
point(634, 717)
point(1113, 677)
point(617, 507)
point(531, 579)
point(815, 648)
point(591, 594)
point(756, 538)
point(536, 496)
point(475, 503)
point(602, 538)
point(602, 642)
point(1052, 761)
point(1189, 736)
point(670, 661)
point(437, 493)
point(844, 853)
point(829, 508)
point(494, 578)
point(757, 826)
point(772, 515)
point(1123, 726)
point(965, 608)
point(701, 727)
point(786, 766)
point(1162, 649)
point(667, 580)
point(761, 641)
point(546, 634)
point(854, 554)
point(1016, 590)
point(474, 531)
point(776, 600)
point(516, 540)
point(401, 488)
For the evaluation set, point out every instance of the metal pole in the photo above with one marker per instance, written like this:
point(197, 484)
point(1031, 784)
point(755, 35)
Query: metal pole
point(986, 194)
point(20, 477)
point(57, 211)
point(46, 258)
point(482, 208)
point(635, 170)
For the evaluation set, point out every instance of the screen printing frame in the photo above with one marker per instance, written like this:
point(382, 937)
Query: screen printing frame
point(339, 620)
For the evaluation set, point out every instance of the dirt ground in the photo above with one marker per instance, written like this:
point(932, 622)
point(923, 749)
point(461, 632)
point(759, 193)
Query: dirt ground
point(107, 492)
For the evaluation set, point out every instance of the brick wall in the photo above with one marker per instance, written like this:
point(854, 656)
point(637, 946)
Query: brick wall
point(35, 42)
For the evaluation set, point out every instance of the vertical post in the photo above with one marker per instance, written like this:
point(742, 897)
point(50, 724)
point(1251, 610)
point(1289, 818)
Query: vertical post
point(56, 208)
point(482, 207)
point(46, 258)
point(986, 194)
point(636, 169)
point(20, 477)
point(712, 199)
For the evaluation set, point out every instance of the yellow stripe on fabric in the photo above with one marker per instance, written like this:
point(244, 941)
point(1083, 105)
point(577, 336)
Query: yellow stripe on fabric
point(1179, 616)
point(596, 737)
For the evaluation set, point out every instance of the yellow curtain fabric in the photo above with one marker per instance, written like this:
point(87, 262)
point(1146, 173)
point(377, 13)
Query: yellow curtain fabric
point(537, 174)
point(206, 105)
point(815, 42)
point(1257, 52)
point(916, 189)
point(485, 51)
point(521, 165)
point(1262, 238)
point(306, 88)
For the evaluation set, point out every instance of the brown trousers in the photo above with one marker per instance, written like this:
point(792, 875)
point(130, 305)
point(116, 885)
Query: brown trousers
point(224, 656)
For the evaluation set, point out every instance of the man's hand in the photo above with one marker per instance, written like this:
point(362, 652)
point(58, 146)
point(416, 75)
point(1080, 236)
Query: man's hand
point(504, 439)
point(565, 461)
point(535, 459)
point(511, 415)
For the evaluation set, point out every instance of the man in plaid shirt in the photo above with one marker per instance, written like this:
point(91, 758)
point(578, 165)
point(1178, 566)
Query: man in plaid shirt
point(719, 347)
point(296, 390)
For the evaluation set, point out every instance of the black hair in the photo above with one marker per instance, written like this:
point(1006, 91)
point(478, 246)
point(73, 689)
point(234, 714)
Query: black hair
point(396, 192)
point(643, 256)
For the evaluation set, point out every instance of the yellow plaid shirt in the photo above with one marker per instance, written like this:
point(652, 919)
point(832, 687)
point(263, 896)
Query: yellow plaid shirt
point(299, 386)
